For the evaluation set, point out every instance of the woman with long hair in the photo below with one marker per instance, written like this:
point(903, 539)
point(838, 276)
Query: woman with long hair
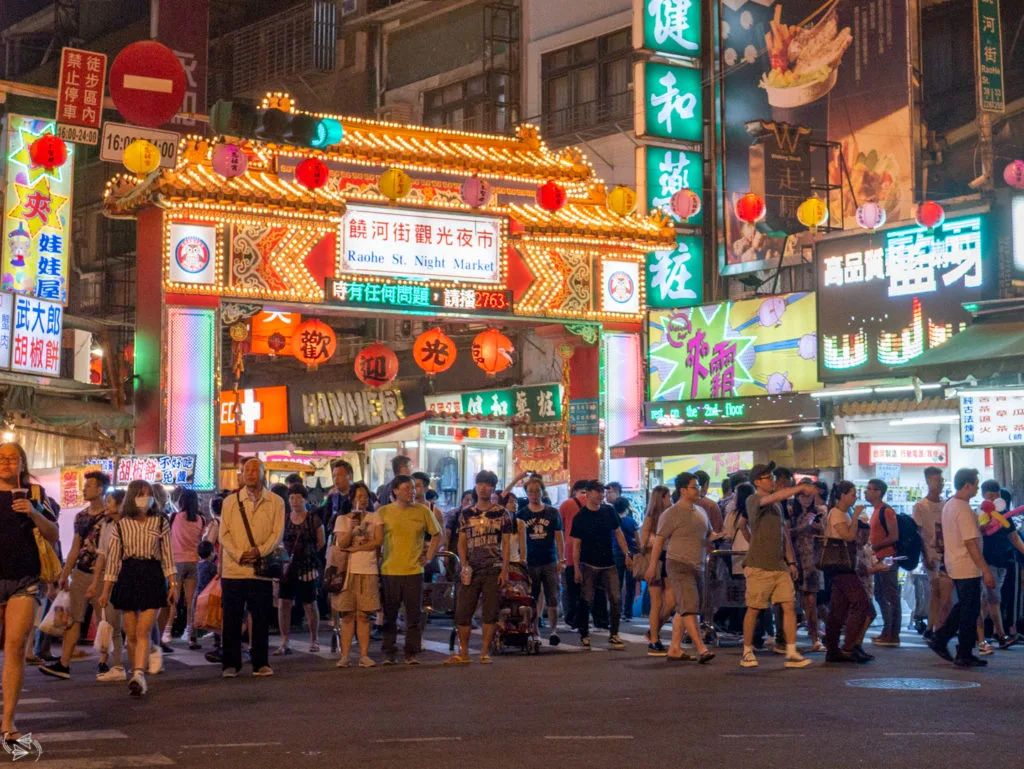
point(806, 526)
point(140, 578)
point(661, 593)
point(187, 527)
point(303, 539)
point(21, 515)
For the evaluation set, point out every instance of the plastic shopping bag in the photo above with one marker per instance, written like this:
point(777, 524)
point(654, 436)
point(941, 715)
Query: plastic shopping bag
point(57, 619)
point(104, 640)
point(209, 609)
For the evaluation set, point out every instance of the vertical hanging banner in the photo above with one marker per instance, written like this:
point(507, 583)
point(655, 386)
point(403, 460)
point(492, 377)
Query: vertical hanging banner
point(988, 48)
point(670, 102)
point(667, 26)
point(37, 215)
point(35, 342)
point(80, 95)
point(676, 278)
point(183, 26)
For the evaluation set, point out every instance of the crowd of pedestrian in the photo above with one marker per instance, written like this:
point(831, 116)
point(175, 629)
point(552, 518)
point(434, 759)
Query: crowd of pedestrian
point(802, 552)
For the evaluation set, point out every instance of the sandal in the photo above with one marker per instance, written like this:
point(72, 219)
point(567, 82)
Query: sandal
point(485, 659)
point(314, 648)
point(455, 659)
point(281, 650)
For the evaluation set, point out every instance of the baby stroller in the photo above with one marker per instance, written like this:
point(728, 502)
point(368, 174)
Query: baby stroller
point(516, 614)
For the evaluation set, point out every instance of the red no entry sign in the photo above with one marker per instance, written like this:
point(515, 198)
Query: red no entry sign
point(147, 83)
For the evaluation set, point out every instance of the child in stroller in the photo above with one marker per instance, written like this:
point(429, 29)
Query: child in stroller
point(517, 614)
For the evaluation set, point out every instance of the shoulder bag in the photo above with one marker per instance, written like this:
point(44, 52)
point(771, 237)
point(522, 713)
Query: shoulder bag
point(266, 566)
point(49, 563)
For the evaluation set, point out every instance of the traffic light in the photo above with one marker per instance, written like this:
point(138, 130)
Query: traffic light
point(298, 129)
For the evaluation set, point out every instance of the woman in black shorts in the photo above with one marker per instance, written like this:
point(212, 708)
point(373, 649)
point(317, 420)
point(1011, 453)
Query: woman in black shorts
point(20, 588)
point(661, 594)
point(303, 539)
point(140, 578)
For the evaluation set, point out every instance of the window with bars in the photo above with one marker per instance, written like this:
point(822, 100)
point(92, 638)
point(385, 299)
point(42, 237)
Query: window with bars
point(587, 86)
point(468, 105)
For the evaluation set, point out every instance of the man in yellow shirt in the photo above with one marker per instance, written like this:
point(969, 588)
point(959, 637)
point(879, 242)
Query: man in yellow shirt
point(406, 525)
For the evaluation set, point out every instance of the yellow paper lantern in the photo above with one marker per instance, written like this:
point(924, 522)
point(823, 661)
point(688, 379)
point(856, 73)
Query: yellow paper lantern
point(812, 213)
point(141, 157)
point(622, 200)
point(394, 184)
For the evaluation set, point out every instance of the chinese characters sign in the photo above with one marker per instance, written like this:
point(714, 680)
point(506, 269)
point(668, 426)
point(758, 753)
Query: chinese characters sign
point(419, 244)
point(166, 469)
point(80, 95)
point(35, 339)
point(903, 453)
point(399, 297)
point(668, 26)
point(37, 216)
point(989, 50)
point(535, 403)
point(670, 102)
point(764, 346)
point(663, 172)
point(584, 416)
point(761, 410)
point(886, 298)
point(676, 278)
point(992, 418)
point(258, 411)
point(6, 327)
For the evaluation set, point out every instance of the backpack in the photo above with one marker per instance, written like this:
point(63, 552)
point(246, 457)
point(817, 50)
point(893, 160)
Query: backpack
point(909, 543)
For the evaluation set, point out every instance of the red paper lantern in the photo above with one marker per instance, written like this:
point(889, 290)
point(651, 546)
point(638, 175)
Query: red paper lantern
point(750, 208)
point(376, 365)
point(434, 352)
point(48, 151)
point(492, 351)
point(276, 342)
point(551, 196)
point(930, 214)
point(313, 342)
point(312, 173)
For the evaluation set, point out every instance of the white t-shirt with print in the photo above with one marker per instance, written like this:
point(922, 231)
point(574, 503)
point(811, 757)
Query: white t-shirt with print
point(364, 561)
point(959, 524)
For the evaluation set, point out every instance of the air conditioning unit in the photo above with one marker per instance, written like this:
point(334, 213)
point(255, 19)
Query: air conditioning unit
point(398, 112)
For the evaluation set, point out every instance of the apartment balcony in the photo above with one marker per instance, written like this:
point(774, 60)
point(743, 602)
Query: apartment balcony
point(589, 120)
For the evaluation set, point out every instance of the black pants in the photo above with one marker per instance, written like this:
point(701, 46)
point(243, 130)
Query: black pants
point(607, 599)
point(407, 590)
point(570, 595)
point(963, 618)
point(627, 588)
point(257, 597)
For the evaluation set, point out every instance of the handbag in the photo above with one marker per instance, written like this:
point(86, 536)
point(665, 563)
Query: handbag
point(266, 566)
point(210, 608)
point(836, 557)
point(49, 562)
point(640, 563)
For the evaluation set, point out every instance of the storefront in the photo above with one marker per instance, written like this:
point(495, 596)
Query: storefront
point(380, 257)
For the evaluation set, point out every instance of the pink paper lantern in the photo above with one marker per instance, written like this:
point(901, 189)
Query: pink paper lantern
point(1013, 174)
point(475, 192)
point(871, 215)
point(229, 161)
point(685, 203)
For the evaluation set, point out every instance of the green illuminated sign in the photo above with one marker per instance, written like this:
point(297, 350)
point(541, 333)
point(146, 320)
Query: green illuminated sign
point(672, 26)
point(676, 278)
point(673, 102)
point(666, 172)
point(990, 56)
point(535, 403)
point(763, 409)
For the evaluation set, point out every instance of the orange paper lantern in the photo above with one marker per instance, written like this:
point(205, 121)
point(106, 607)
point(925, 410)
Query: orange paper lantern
point(376, 365)
point(314, 343)
point(434, 352)
point(492, 351)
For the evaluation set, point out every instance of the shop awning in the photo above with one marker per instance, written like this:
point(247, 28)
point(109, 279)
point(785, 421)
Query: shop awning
point(382, 430)
point(665, 443)
point(68, 411)
point(981, 350)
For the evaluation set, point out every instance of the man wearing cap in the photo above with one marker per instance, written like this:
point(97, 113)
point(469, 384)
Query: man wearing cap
point(770, 565)
point(592, 531)
point(484, 544)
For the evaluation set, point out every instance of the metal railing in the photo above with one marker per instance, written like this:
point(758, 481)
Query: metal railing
point(589, 116)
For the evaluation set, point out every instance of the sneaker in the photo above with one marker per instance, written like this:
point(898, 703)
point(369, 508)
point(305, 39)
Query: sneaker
point(818, 648)
point(748, 660)
point(194, 646)
point(985, 648)
point(102, 668)
point(554, 640)
point(970, 662)
point(884, 640)
point(941, 649)
point(928, 634)
point(615, 642)
point(189, 634)
point(156, 662)
point(56, 669)
point(166, 648)
point(215, 657)
point(342, 663)
point(796, 660)
point(264, 672)
point(229, 673)
point(165, 639)
point(585, 643)
point(137, 686)
point(654, 651)
point(115, 673)
point(861, 655)
point(840, 656)
point(390, 660)
point(366, 662)
point(410, 659)
point(1006, 641)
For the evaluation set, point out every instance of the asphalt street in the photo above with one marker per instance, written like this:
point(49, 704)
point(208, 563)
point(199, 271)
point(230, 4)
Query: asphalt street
point(565, 707)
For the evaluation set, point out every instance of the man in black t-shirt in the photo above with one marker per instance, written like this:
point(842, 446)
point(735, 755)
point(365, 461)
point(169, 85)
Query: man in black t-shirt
point(545, 550)
point(592, 530)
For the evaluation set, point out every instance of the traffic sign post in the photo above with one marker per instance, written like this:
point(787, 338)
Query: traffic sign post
point(147, 83)
point(80, 95)
point(117, 136)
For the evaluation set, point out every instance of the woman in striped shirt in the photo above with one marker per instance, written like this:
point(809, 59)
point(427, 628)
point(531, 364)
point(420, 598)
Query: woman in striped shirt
point(140, 577)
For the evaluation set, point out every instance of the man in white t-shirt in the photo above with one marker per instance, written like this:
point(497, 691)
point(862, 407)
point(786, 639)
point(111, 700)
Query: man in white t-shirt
point(966, 566)
point(361, 533)
point(928, 517)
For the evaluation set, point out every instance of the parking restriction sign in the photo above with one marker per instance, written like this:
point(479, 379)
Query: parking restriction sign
point(80, 95)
